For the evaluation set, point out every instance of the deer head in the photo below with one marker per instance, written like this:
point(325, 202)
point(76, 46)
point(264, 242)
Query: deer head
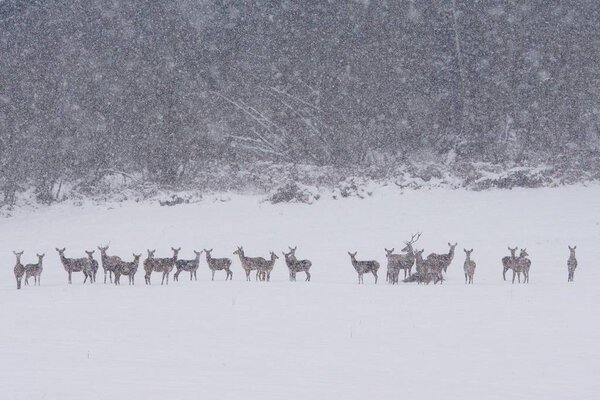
point(175, 251)
point(151, 253)
point(274, 256)
point(239, 251)
point(207, 252)
point(19, 254)
point(412, 241)
point(512, 251)
point(352, 255)
point(572, 249)
point(90, 254)
point(468, 252)
point(61, 252)
point(136, 258)
point(523, 253)
point(40, 256)
point(388, 252)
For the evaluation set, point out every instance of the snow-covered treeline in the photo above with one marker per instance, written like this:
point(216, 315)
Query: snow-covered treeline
point(90, 87)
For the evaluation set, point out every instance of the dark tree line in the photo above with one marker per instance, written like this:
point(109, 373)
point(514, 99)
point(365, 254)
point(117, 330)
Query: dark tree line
point(90, 87)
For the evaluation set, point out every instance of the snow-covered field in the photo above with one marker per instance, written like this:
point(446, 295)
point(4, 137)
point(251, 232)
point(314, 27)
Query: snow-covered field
point(329, 338)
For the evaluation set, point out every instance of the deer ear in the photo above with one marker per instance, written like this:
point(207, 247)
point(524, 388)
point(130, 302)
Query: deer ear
point(574, 247)
point(449, 244)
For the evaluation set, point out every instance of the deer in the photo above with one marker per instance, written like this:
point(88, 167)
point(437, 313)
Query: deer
point(520, 264)
point(393, 267)
point(187, 265)
point(218, 264)
point(73, 264)
point(264, 268)
point(469, 267)
point(363, 267)
point(91, 273)
point(148, 266)
point(428, 270)
point(508, 261)
point(34, 270)
point(19, 269)
point(294, 265)
point(524, 265)
point(248, 263)
point(164, 265)
point(442, 260)
point(127, 268)
point(108, 262)
point(571, 263)
point(396, 262)
point(408, 260)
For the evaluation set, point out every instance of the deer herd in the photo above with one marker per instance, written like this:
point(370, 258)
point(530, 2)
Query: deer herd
point(427, 270)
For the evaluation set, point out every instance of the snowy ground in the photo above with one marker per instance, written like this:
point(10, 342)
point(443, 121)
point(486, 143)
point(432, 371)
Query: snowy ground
point(329, 338)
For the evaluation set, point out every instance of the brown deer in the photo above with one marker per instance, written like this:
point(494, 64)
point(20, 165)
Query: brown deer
point(127, 268)
point(393, 266)
point(34, 270)
point(190, 266)
point(396, 262)
point(442, 260)
point(520, 265)
point(508, 261)
point(148, 266)
point(248, 263)
point(264, 268)
point(19, 268)
point(408, 260)
point(294, 265)
point(164, 265)
point(571, 263)
point(218, 264)
point(73, 264)
point(108, 262)
point(91, 272)
point(428, 270)
point(524, 264)
point(469, 267)
point(364, 267)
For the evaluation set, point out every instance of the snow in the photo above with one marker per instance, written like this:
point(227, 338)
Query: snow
point(329, 338)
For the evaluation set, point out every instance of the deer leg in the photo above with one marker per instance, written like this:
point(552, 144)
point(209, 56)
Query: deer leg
point(213, 275)
point(375, 274)
point(105, 277)
point(307, 276)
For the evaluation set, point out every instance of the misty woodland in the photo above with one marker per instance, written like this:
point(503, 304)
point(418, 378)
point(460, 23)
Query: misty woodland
point(169, 93)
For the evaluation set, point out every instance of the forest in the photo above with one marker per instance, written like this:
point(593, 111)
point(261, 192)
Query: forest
point(166, 89)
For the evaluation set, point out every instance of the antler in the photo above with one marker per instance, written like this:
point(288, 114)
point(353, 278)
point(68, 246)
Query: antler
point(414, 238)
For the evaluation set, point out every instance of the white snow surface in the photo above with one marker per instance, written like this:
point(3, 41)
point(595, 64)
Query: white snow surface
point(329, 338)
